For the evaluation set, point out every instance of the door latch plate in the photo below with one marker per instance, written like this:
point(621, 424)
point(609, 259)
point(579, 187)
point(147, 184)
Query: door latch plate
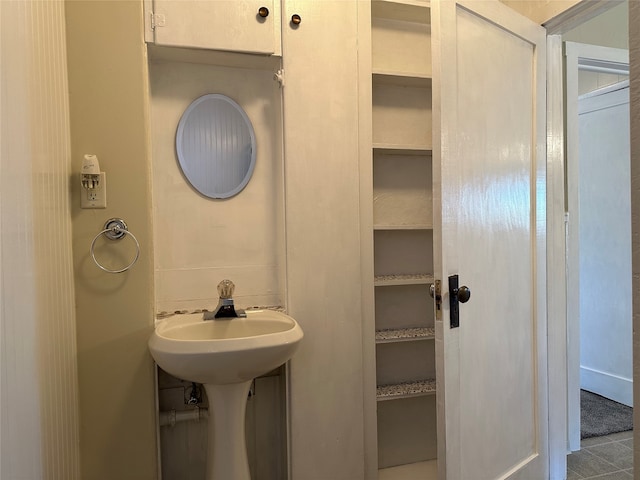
point(454, 304)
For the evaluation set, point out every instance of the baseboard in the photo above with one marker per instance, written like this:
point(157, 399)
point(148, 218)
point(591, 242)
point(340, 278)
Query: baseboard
point(608, 385)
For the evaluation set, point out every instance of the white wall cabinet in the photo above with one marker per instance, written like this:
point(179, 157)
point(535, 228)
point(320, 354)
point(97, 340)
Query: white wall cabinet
point(250, 26)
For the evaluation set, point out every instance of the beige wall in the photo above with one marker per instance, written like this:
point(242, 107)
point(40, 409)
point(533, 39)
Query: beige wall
point(108, 91)
point(634, 58)
point(540, 11)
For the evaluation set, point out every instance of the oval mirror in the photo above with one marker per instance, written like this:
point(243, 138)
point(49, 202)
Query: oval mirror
point(216, 146)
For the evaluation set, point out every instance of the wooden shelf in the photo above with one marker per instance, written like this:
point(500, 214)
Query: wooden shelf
point(404, 79)
point(164, 54)
point(405, 335)
point(392, 280)
point(416, 11)
point(402, 149)
point(419, 388)
point(404, 227)
point(426, 469)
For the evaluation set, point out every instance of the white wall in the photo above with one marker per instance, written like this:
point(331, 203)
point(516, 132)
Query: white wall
point(605, 246)
point(634, 58)
point(609, 29)
point(200, 241)
point(38, 397)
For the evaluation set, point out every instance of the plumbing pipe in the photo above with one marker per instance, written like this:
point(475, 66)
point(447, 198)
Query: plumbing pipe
point(172, 416)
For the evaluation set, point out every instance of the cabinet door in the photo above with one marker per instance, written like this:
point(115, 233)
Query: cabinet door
point(234, 25)
point(320, 59)
point(489, 173)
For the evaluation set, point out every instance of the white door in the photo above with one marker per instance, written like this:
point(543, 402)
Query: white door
point(489, 197)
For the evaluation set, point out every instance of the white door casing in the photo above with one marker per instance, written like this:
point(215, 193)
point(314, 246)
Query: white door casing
point(490, 229)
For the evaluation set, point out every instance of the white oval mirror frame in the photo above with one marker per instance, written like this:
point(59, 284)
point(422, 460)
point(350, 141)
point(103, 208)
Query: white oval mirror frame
point(216, 146)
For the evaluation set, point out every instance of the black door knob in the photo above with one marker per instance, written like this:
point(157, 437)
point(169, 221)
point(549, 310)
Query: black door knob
point(464, 294)
point(296, 19)
point(263, 12)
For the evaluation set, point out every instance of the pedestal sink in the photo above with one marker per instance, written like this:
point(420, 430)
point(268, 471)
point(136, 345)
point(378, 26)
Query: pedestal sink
point(225, 355)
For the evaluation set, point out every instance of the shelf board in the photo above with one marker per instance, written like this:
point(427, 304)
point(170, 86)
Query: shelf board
point(404, 79)
point(411, 279)
point(164, 54)
point(416, 226)
point(402, 149)
point(416, 11)
point(419, 388)
point(426, 469)
point(396, 335)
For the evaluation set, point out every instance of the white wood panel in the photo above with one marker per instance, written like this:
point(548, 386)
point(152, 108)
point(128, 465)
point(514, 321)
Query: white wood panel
point(405, 362)
point(402, 115)
point(402, 190)
point(200, 241)
point(412, 420)
point(489, 169)
point(403, 307)
point(401, 47)
point(398, 252)
point(323, 239)
point(405, 10)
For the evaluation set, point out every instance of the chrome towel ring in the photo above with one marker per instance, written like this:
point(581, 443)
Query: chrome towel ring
point(115, 229)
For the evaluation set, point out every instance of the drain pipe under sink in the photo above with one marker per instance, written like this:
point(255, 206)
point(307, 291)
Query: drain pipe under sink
point(171, 417)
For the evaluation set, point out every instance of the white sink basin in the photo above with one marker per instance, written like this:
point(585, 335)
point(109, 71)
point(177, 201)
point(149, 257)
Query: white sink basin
point(224, 351)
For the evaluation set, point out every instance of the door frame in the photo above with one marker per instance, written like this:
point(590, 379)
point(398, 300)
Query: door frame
point(556, 228)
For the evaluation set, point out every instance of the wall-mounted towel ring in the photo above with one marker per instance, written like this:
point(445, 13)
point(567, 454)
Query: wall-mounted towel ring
point(115, 229)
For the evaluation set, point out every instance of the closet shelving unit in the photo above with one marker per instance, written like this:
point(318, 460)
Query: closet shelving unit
point(403, 235)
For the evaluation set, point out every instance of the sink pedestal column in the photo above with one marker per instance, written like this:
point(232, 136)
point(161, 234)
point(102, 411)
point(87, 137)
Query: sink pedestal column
point(227, 449)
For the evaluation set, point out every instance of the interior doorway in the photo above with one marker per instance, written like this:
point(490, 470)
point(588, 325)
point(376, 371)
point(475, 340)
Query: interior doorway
point(598, 234)
point(593, 23)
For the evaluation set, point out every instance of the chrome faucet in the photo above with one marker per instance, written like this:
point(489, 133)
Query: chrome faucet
point(225, 307)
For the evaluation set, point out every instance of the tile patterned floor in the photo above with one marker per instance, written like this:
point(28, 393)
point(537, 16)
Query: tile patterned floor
point(603, 458)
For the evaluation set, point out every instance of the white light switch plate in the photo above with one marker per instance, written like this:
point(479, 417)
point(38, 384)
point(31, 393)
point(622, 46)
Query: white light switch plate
point(95, 197)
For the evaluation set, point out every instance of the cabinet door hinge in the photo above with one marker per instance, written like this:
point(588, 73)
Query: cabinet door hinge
point(279, 76)
point(157, 20)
